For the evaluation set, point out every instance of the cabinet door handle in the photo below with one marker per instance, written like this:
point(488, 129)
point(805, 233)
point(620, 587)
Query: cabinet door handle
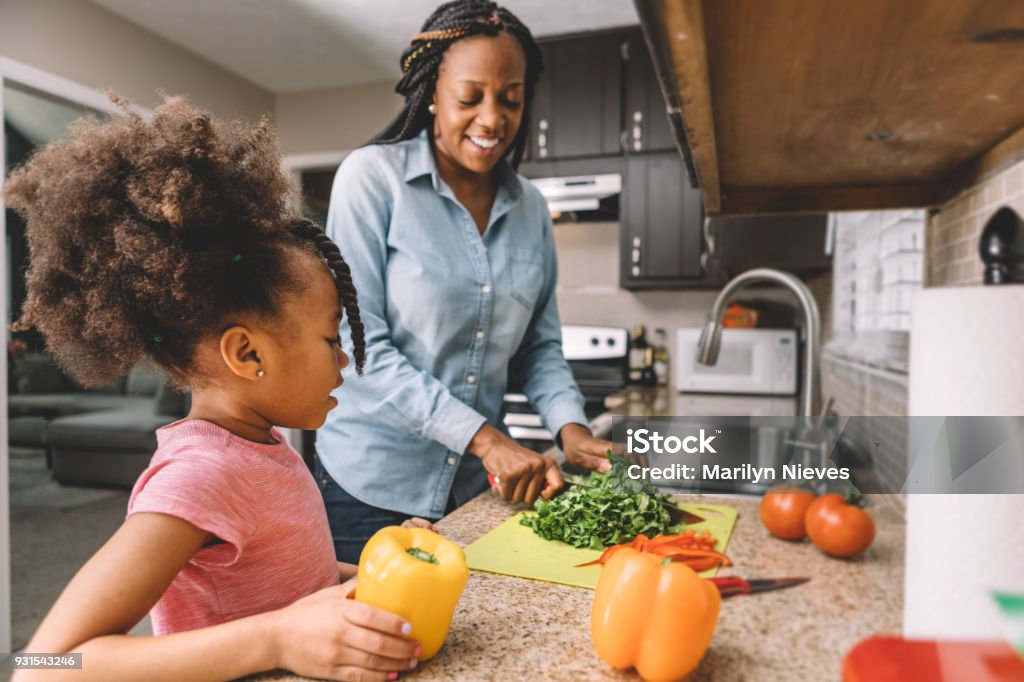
point(709, 239)
point(638, 131)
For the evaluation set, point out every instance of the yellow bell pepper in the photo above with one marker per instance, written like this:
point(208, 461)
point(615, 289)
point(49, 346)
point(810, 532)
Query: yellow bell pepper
point(417, 574)
point(652, 614)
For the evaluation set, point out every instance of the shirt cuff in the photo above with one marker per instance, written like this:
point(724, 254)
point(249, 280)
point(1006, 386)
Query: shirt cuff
point(454, 424)
point(562, 413)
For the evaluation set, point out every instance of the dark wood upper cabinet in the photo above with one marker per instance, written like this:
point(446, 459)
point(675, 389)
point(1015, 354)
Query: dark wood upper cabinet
point(662, 242)
point(788, 242)
point(577, 106)
point(647, 128)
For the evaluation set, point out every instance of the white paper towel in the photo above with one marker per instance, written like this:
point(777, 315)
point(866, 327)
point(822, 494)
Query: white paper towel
point(966, 358)
point(960, 548)
point(967, 351)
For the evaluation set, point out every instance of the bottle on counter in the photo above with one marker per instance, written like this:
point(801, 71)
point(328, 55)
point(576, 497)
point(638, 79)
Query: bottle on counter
point(647, 376)
point(638, 354)
point(661, 357)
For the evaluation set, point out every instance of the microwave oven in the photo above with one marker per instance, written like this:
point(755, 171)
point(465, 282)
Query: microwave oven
point(750, 362)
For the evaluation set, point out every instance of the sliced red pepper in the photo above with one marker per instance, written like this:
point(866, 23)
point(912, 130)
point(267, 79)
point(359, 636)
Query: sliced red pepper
point(702, 564)
point(684, 554)
point(689, 548)
point(605, 556)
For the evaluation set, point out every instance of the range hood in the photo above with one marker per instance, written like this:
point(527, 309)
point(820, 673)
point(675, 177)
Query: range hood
point(578, 192)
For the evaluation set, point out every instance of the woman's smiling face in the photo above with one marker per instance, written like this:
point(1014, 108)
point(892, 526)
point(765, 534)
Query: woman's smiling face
point(479, 97)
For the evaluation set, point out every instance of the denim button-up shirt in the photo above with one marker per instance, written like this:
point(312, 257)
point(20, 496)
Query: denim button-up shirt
point(446, 312)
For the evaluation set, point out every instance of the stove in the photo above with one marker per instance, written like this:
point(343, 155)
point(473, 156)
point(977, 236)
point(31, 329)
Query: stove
point(599, 360)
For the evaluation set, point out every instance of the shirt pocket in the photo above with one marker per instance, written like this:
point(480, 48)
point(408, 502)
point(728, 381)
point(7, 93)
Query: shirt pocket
point(527, 270)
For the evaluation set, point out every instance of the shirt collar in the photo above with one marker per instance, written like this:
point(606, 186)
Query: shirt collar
point(420, 161)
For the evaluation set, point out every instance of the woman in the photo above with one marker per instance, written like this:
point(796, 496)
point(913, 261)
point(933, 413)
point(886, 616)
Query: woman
point(454, 260)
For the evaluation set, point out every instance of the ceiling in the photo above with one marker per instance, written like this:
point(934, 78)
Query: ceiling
point(293, 45)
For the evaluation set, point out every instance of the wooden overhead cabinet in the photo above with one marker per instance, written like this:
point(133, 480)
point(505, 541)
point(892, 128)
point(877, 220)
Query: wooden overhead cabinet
point(576, 106)
point(802, 106)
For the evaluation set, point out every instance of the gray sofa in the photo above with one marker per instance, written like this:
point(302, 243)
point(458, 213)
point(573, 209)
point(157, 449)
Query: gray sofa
point(99, 437)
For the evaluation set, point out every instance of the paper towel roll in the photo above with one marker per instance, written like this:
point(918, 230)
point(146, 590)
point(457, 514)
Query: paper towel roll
point(960, 548)
point(966, 358)
point(967, 351)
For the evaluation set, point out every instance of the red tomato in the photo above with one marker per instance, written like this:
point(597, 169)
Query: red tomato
point(838, 528)
point(783, 509)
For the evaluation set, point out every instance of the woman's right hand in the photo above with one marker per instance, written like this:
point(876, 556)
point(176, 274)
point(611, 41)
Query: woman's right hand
point(522, 474)
point(329, 635)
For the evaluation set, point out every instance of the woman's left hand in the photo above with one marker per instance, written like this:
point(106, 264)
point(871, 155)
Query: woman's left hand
point(583, 450)
point(417, 522)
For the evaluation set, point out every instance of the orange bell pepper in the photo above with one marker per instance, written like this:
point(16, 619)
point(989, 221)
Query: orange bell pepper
point(652, 614)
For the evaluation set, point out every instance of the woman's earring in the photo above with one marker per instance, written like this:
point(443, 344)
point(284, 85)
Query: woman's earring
point(432, 109)
point(259, 374)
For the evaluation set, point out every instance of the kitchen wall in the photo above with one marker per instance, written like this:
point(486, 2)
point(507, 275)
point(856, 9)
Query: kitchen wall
point(951, 259)
point(588, 287)
point(953, 232)
point(82, 42)
point(335, 119)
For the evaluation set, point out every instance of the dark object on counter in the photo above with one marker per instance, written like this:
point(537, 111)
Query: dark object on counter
point(641, 363)
point(732, 585)
point(1002, 248)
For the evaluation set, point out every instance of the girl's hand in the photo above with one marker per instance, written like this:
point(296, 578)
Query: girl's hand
point(329, 635)
point(583, 450)
point(522, 474)
point(417, 522)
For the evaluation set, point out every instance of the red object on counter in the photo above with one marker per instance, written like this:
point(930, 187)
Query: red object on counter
point(894, 659)
point(739, 316)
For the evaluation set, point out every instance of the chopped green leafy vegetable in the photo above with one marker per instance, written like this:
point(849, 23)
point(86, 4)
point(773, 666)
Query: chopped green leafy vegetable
point(602, 510)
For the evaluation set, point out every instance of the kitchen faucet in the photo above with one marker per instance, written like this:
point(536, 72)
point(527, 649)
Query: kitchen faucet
point(711, 336)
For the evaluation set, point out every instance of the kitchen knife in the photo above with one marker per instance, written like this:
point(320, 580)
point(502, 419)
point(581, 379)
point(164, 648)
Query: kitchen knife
point(676, 514)
point(732, 585)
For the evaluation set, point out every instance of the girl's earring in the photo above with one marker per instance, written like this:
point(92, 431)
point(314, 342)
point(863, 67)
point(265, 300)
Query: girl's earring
point(432, 109)
point(259, 374)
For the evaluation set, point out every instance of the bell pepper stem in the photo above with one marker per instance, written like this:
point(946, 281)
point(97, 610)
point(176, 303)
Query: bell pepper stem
point(422, 555)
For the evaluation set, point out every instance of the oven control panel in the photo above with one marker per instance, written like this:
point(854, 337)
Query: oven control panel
point(594, 343)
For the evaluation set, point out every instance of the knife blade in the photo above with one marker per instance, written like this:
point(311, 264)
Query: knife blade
point(732, 585)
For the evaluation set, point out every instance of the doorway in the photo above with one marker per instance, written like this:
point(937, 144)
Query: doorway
point(37, 107)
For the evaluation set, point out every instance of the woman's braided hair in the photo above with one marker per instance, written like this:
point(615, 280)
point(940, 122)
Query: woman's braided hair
point(421, 60)
point(147, 237)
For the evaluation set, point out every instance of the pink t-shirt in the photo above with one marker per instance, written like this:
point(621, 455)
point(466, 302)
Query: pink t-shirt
point(260, 500)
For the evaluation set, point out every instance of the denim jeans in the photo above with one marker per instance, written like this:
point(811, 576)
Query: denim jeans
point(353, 522)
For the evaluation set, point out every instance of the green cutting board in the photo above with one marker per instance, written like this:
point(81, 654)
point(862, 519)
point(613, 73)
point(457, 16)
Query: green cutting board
point(514, 549)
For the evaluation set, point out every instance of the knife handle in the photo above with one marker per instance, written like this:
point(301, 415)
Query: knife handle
point(731, 585)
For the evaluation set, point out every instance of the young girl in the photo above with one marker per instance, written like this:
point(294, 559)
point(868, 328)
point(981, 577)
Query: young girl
point(173, 241)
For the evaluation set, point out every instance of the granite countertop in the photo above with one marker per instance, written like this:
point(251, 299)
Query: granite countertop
point(510, 628)
point(665, 401)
